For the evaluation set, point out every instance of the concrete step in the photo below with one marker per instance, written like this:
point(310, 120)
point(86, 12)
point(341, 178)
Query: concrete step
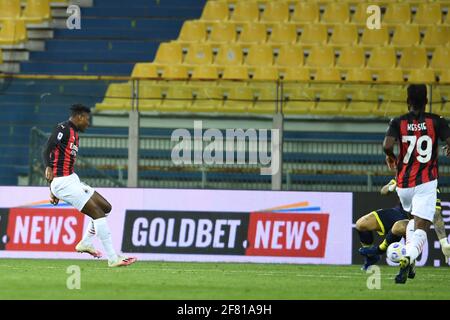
point(32, 45)
point(60, 13)
point(15, 55)
point(42, 25)
point(8, 67)
point(40, 34)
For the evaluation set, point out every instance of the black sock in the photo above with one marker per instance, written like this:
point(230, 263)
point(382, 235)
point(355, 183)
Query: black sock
point(391, 238)
point(366, 237)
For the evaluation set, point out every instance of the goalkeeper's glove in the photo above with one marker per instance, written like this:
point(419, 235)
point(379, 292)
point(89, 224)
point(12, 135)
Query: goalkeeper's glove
point(445, 247)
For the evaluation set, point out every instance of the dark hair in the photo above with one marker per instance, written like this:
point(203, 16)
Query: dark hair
point(417, 96)
point(77, 109)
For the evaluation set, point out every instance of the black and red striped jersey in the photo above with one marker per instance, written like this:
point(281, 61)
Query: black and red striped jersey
point(418, 136)
point(62, 148)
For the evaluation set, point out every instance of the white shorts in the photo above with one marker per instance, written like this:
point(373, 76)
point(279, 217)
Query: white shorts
point(72, 190)
point(420, 200)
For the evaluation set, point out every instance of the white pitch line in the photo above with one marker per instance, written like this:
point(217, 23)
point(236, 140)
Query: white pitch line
point(421, 276)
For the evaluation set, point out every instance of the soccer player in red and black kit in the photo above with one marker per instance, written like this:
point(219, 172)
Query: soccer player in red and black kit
point(59, 157)
point(417, 133)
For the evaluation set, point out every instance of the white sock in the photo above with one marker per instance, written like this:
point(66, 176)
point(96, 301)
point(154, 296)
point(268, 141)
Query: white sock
point(409, 231)
point(89, 233)
point(415, 246)
point(104, 234)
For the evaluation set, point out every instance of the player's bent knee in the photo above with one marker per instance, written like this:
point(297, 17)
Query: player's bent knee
point(399, 228)
point(107, 208)
point(93, 210)
point(361, 224)
point(422, 224)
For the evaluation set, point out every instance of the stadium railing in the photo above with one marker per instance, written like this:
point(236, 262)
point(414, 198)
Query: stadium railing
point(328, 163)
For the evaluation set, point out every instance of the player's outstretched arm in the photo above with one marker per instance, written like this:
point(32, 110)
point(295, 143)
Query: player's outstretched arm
point(388, 187)
point(388, 148)
point(53, 199)
point(447, 147)
point(49, 174)
point(46, 154)
point(61, 132)
point(439, 228)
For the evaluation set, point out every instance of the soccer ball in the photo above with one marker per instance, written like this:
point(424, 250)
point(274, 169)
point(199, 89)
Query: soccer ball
point(396, 251)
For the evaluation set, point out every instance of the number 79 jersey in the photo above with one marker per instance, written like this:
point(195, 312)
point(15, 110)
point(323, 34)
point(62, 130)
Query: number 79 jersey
point(418, 136)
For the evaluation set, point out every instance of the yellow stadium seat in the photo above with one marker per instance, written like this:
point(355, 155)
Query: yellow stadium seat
point(390, 75)
point(253, 33)
point(235, 73)
point(114, 104)
point(283, 34)
point(1, 56)
point(441, 58)
point(239, 99)
point(10, 9)
point(360, 16)
point(382, 58)
point(397, 13)
point(205, 73)
point(336, 13)
point(276, 12)
point(117, 97)
point(320, 57)
point(223, 33)
point(435, 97)
point(290, 56)
point(421, 76)
point(393, 104)
point(444, 77)
point(298, 100)
point(413, 58)
point(146, 83)
point(344, 35)
point(175, 72)
point(245, 11)
point(406, 36)
point(363, 103)
point(305, 12)
point(193, 31)
point(417, 2)
point(199, 54)
point(36, 11)
point(229, 55)
point(436, 36)
point(259, 55)
point(428, 14)
point(444, 92)
point(145, 70)
point(296, 74)
point(358, 74)
point(207, 99)
point(169, 53)
point(266, 73)
point(445, 111)
point(215, 11)
point(150, 97)
point(351, 57)
point(375, 37)
point(331, 102)
point(314, 34)
point(178, 98)
point(328, 74)
point(12, 31)
point(119, 90)
point(266, 100)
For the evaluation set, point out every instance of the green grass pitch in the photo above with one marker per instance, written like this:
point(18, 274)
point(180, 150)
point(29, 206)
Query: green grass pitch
point(47, 279)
